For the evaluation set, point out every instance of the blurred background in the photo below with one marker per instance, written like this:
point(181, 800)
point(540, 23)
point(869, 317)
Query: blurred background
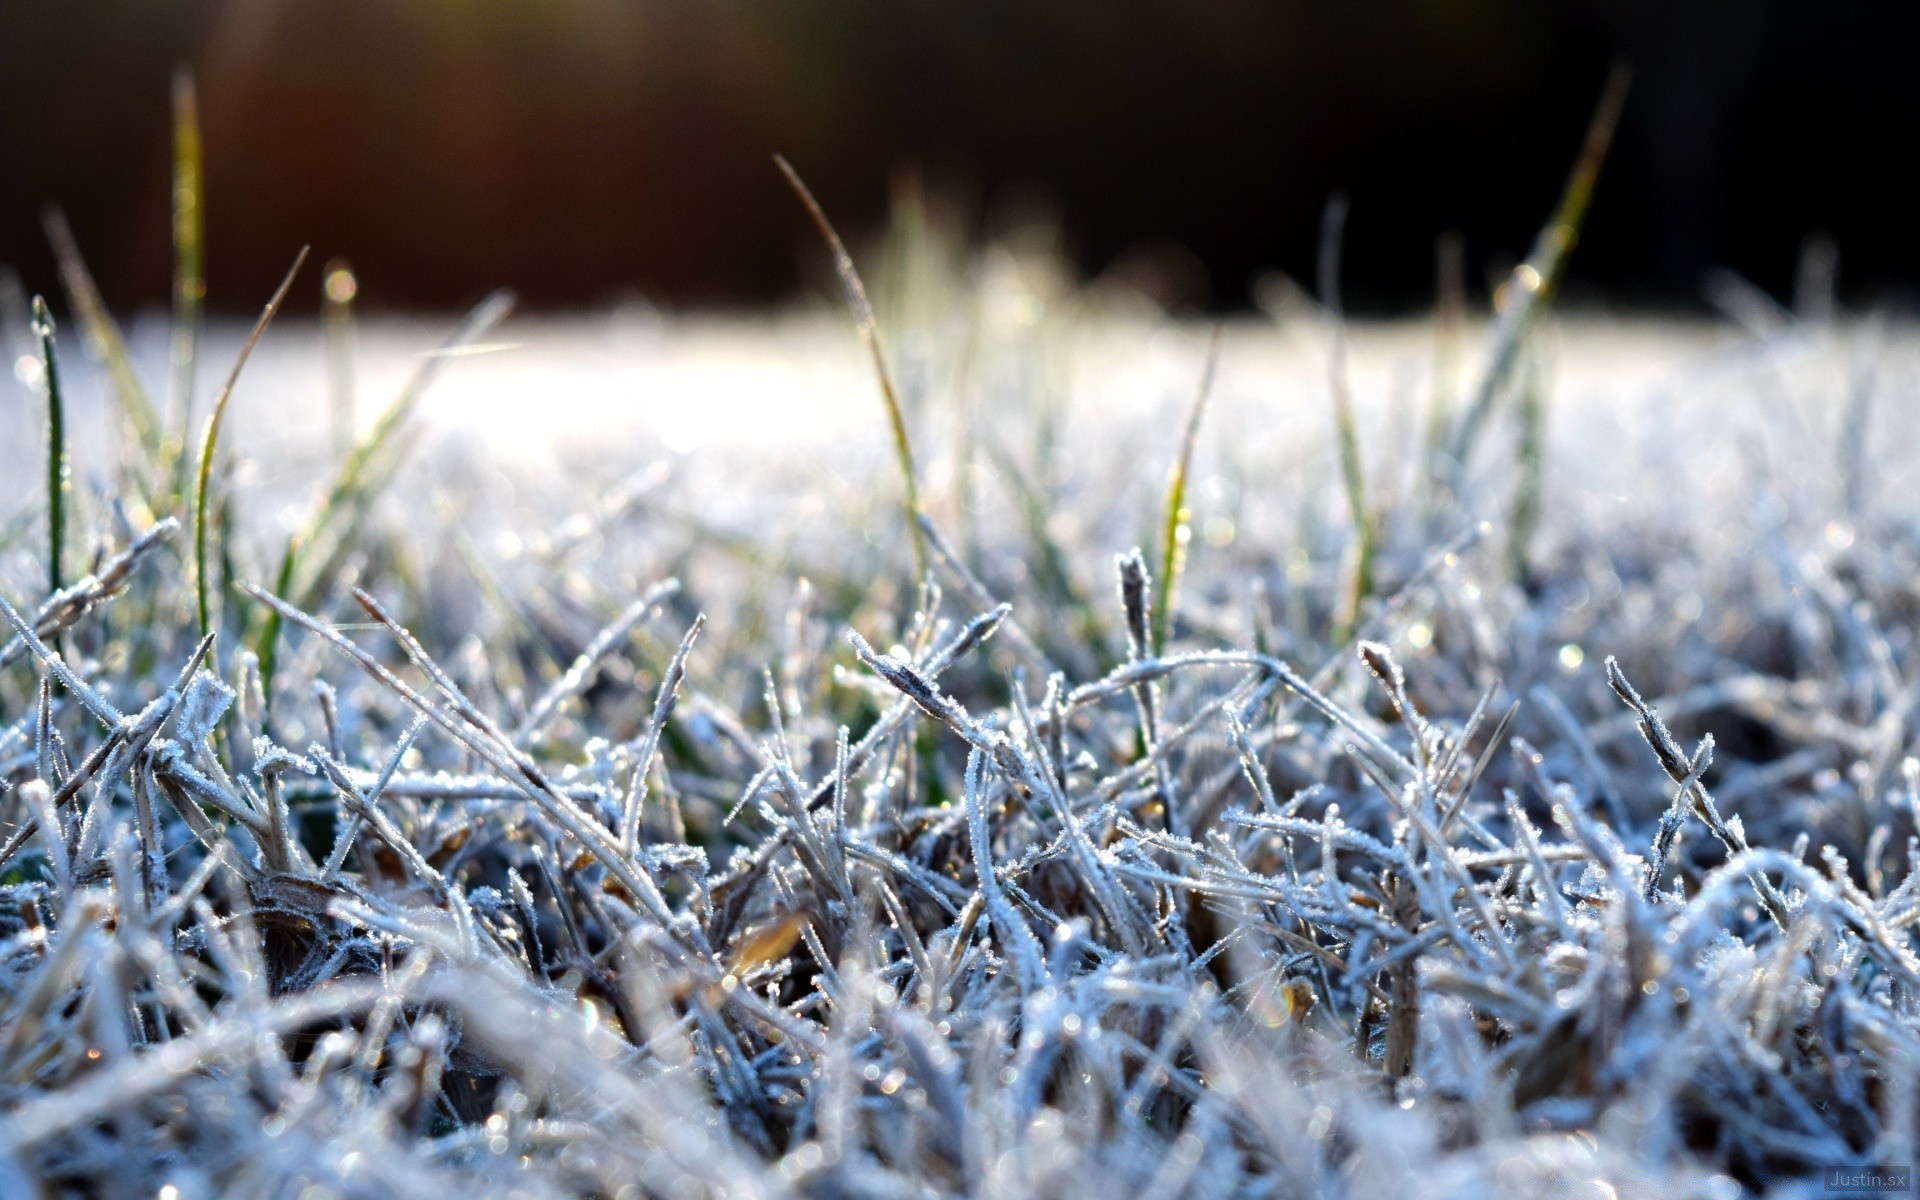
point(586, 151)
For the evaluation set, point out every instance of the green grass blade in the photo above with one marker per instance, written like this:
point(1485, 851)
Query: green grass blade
point(1175, 517)
point(189, 252)
point(268, 649)
point(1530, 289)
point(210, 441)
point(56, 449)
point(856, 295)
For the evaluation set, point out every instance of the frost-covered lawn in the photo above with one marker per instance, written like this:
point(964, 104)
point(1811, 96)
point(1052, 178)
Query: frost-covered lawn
point(610, 811)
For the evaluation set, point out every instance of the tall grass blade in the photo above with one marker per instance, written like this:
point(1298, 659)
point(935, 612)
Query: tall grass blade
point(102, 333)
point(210, 441)
point(1175, 518)
point(856, 296)
point(1531, 469)
point(1530, 289)
point(189, 254)
point(1359, 584)
point(56, 449)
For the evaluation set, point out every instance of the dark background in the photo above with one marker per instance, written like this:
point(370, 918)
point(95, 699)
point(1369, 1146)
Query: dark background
point(576, 149)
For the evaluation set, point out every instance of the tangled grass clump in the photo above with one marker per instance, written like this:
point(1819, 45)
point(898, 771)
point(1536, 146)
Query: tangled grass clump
point(1339, 871)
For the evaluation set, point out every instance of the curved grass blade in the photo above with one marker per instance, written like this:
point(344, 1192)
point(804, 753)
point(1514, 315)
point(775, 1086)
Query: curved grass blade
point(1530, 289)
point(210, 440)
point(856, 295)
point(1174, 527)
point(103, 337)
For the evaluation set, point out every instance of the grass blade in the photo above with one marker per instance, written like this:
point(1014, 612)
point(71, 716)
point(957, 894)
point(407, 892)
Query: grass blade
point(189, 253)
point(1531, 468)
point(102, 333)
point(1175, 517)
point(56, 449)
point(1359, 583)
point(210, 440)
point(1530, 289)
point(856, 295)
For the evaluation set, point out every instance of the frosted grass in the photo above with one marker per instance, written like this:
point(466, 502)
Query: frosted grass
point(627, 821)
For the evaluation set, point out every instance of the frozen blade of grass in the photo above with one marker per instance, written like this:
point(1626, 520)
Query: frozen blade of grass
point(367, 800)
point(922, 691)
point(1136, 589)
point(57, 465)
point(650, 744)
point(64, 608)
point(38, 800)
point(57, 667)
point(1174, 516)
point(1685, 773)
point(856, 296)
point(840, 782)
point(485, 741)
point(1530, 290)
point(972, 635)
point(1011, 928)
point(210, 440)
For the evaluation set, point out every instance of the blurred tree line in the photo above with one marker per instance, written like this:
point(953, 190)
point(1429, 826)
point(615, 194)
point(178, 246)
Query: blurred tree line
point(576, 149)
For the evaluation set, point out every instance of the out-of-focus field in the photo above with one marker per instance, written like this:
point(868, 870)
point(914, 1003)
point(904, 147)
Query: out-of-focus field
point(724, 401)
